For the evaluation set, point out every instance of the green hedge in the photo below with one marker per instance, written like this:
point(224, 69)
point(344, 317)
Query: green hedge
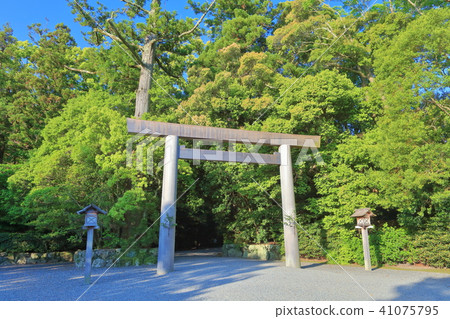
point(21, 243)
point(388, 245)
point(432, 248)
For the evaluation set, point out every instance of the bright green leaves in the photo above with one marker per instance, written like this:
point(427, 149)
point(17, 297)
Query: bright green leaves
point(38, 85)
point(299, 27)
point(326, 104)
point(257, 73)
point(399, 167)
point(224, 10)
point(244, 30)
point(81, 161)
point(418, 59)
point(237, 95)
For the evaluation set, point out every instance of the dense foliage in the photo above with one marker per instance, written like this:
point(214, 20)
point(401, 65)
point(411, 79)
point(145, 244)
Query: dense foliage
point(372, 81)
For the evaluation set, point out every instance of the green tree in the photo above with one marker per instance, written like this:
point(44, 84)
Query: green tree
point(162, 39)
point(37, 86)
point(228, 10)
point(314, 35)
point(80, 162)
point(8, 66)
point(400, 167)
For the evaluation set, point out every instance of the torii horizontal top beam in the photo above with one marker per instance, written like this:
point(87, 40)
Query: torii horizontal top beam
point(219, 134)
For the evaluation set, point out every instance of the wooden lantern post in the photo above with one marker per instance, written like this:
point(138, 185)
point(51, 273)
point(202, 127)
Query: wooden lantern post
point(362, 216)
point(90, 223)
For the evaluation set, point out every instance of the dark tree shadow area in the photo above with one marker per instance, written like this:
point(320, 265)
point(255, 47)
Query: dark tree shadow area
point(433, 289)
point(192, 277)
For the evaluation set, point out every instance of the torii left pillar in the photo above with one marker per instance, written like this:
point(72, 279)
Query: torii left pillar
point(288, 207)
point(166, 247)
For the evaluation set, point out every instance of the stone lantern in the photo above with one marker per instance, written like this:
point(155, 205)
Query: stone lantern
point(90, 213)
point(90, 218)
point(362, 216)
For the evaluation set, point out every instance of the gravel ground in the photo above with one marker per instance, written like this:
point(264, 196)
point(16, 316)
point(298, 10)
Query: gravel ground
point(208, 277)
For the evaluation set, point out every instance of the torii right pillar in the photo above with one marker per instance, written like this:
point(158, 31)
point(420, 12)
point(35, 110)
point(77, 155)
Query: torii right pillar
point(288, 204)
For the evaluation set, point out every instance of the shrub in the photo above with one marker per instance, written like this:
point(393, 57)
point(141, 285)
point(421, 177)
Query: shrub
point(21, 242)
point(394, 245)
point(311, 239)
point(433, 248)
point(343, 249)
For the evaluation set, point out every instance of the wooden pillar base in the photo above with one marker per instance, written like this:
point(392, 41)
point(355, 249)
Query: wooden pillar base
point(88, 256)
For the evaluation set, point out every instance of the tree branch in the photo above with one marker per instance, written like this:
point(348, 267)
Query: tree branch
point(391, 7)
point(415, 7)
point(79, 70)
point(125, 42)
point(329, 29)
point(91, 21)
point(444, 108)
point(304, 51)
point(167, 71)
point(112, 36)
point(198, 22)
point(136, 5)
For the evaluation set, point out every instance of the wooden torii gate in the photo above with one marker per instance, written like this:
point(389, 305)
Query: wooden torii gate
point(173, 152)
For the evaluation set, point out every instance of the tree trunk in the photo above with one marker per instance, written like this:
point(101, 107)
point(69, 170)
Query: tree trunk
point(145, 79)
point(366, 76)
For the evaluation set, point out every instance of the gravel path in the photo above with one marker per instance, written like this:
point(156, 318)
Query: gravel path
point(208, 277)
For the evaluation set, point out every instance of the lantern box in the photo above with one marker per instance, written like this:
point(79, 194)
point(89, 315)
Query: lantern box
point(90, 218)
point(362, 216)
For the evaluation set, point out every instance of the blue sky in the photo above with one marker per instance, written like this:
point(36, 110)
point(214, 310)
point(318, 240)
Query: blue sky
point(21, 13)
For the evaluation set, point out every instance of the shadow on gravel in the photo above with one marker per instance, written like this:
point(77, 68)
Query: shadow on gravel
point(35, 282)
point(199, 277)
point(192, 277)
point(314, 265)
point(436, 289)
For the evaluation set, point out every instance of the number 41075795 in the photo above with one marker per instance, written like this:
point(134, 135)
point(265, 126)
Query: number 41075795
point(409, 310)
